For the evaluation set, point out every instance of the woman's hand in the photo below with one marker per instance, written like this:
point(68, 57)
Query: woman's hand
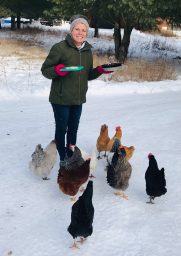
point(101, 70)
point(58, 70)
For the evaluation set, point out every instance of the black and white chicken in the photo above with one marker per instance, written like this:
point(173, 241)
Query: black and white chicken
point(119, 172)
point(82, 216)
point(43, 160)
point(75, 159)
point(155, 179)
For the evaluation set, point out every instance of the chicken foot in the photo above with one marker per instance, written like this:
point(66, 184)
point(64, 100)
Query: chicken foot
point(151, 200)
point(45, 178)
point(121, 194)
point(99, 157)
point(74, 246)
point(105, 154)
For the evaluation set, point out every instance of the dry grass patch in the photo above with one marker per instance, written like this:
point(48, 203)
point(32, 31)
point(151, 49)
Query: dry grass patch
point(167, 33)
point(144, 70)
point(100, 59)
point(140, 70)
point(38, 31)
point(22, 59)
point(21, 49)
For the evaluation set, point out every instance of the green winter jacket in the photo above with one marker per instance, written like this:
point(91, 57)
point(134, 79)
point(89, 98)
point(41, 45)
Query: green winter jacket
point(70, 89)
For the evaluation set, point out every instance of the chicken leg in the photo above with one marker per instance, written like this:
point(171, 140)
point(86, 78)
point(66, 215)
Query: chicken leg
point(99, 157)
point(74, 246)
point(121, 194)
point(82, 240)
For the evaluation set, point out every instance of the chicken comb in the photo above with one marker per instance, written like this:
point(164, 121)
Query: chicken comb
point(118, 128)
point(122, 150)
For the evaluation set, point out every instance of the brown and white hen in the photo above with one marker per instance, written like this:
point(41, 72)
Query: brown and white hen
point(72, 176)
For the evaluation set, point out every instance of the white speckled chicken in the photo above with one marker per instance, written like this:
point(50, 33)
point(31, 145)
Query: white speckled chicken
point(119, 172)
point(43, 160)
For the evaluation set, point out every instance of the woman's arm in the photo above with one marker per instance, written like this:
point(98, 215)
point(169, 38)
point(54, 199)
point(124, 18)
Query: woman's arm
point(52, 60)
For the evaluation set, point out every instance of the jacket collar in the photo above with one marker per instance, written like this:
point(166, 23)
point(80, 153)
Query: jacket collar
point(70, 42)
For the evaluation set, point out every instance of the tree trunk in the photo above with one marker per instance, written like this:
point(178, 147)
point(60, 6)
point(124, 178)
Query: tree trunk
point(117, 39)
point(123, 50)
point(13, 24)
point(96, 31)
point(18, 20)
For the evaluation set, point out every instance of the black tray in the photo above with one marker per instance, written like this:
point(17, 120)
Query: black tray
point(112, 66)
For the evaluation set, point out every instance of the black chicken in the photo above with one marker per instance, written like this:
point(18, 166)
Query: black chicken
point(82, 216)
point(155, 180)
point(119, 172)
point(75, 159)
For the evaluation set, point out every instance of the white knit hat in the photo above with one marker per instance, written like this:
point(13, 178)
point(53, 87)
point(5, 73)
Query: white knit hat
point(79, 20)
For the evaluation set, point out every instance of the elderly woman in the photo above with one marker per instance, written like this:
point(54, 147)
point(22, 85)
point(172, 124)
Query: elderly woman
point(68, 89)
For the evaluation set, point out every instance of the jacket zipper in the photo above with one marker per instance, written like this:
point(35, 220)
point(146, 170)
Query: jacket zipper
point(79, 73)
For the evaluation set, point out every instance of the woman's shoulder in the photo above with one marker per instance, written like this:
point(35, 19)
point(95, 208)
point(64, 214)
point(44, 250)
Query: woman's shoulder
point(58, 46)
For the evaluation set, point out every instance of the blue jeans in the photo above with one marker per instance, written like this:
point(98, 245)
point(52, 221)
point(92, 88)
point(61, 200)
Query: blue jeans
point(66, 122)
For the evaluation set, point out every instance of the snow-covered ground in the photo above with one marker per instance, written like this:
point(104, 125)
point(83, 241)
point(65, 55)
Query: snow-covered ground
point(34, 214)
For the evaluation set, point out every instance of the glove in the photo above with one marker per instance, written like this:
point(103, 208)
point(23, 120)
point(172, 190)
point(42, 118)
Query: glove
point(58, 72)
point(101, 70)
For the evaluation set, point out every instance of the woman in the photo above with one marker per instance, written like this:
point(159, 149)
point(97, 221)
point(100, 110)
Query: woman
point(68, 89)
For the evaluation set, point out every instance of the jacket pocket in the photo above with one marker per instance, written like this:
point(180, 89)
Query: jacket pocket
point(57, 87)
point(60, 89)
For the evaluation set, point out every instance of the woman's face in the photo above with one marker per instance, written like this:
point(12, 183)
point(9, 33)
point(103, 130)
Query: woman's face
point(79, 34)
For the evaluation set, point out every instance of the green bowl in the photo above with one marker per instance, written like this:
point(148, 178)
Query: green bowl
point(73, 68)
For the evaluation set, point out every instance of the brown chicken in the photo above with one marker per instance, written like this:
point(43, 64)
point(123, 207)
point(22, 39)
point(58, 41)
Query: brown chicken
point(129, 151)
point(74, 175)
point(115, 142)
point(102, 140)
